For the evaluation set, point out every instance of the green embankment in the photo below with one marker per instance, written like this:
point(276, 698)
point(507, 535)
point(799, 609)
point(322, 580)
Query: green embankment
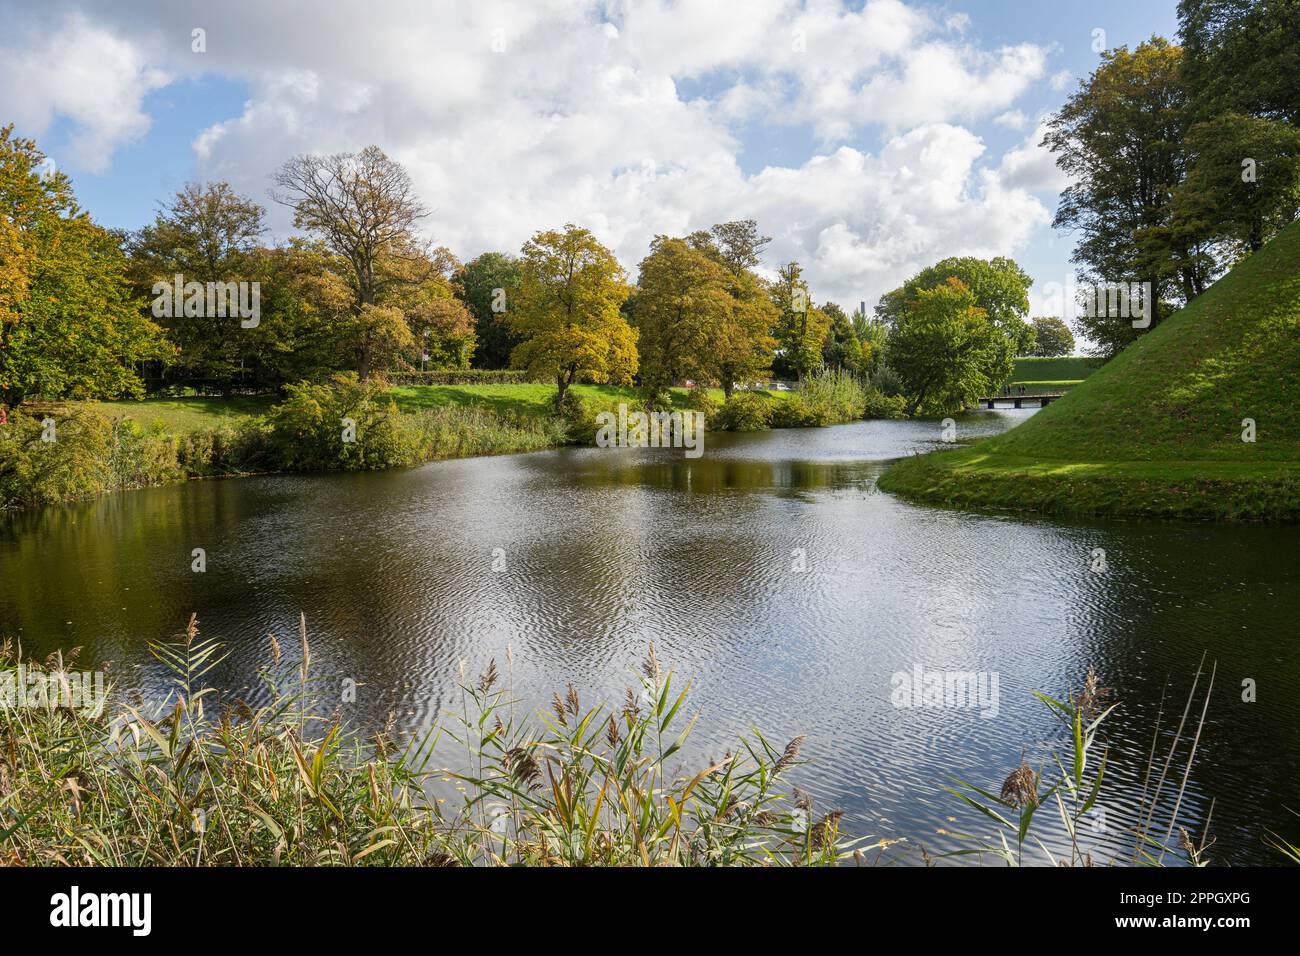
point(1158, 430)
point(1065, 371)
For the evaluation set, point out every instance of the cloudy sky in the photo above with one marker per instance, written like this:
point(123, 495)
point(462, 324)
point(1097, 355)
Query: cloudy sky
point(869, 139)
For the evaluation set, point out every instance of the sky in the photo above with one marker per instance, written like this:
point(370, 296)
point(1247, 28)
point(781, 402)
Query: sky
point(869, 139)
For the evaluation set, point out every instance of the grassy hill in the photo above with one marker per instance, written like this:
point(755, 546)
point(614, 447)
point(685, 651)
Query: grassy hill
point(1158, 430)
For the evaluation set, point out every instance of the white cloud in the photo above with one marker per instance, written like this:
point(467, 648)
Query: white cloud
point(85, 73)
point(1033, 167)
point(627, 117)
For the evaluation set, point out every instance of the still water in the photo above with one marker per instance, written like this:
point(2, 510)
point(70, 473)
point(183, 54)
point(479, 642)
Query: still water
point(605, 550)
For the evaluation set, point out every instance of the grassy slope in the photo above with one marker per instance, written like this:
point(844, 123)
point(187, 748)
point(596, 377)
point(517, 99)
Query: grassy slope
point(1157, 431)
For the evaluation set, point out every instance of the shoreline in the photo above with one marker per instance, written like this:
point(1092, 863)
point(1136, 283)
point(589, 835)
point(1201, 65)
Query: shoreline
point(971, 479)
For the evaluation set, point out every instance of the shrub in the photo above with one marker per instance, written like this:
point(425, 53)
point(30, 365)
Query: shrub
point(833, 395)
point(744, 412)
point(798, 412)
point(699, 399)
point(578, 419)
point(880, 405)
point(344, 425)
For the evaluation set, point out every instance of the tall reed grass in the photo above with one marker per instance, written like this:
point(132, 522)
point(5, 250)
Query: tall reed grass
point(194, 780)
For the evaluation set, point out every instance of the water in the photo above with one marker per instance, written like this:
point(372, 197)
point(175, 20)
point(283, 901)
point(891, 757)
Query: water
point(608, 549)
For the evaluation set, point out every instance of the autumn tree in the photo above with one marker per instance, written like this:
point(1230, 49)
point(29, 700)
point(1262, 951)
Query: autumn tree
point(69, 324)
point(744, 347)
point(364, 208)
point(567, 315)
point(683, 306)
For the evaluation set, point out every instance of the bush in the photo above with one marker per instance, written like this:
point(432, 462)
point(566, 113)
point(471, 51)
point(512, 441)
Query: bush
point(744, 412)
point(344, 425)
point(833, 396)
point(798, 412)
point(577, 417)
point(885, 406)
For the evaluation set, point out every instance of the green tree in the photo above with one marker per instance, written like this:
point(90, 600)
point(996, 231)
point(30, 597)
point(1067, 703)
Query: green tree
point(1001, 290)
point(1052, 337)
point(1242, 56)
point(1120, 138)
point(842, 349)
point(568, 313)
point(205, 233)
point(1242, 184)
point(800, 327)
point(69, 325)
point(941, 348)
point(480, 281)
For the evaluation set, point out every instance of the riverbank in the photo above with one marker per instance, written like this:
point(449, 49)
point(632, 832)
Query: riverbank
point(58, 452)
point(1193, 420)
point(973, 479)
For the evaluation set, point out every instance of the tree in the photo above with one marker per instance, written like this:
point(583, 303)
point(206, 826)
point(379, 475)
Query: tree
point(744, 350)
point(206, 233)
point(941, 348)
point(739, 244)
point(842, 349)
point(683, 306)
point(800, 327)
point(426, 295)
point(1241, 56)
point(567, 316)
point(1001, 290)
point(363, 206)
point(489, 284)
point(1120, 138)
point(1052, 337)
point(69, 325)
point(1242, 185)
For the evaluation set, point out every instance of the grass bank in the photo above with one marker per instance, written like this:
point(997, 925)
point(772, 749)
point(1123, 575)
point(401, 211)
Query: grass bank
point(1194, 420)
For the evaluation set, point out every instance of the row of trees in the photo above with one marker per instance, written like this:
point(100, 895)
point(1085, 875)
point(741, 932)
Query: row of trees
point(358, 290)
point(1184, 158)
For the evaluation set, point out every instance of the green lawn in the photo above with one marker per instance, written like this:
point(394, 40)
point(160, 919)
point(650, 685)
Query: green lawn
point(182, 415)
point(532, 399)
point(1158, 430)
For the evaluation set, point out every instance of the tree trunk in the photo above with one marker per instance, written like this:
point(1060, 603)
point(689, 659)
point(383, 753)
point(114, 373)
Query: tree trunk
point(561, 389)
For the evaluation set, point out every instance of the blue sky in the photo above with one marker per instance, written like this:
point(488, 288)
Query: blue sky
point(900, 133)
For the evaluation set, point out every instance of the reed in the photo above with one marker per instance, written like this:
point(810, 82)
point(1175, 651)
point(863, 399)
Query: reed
point(191, 780)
